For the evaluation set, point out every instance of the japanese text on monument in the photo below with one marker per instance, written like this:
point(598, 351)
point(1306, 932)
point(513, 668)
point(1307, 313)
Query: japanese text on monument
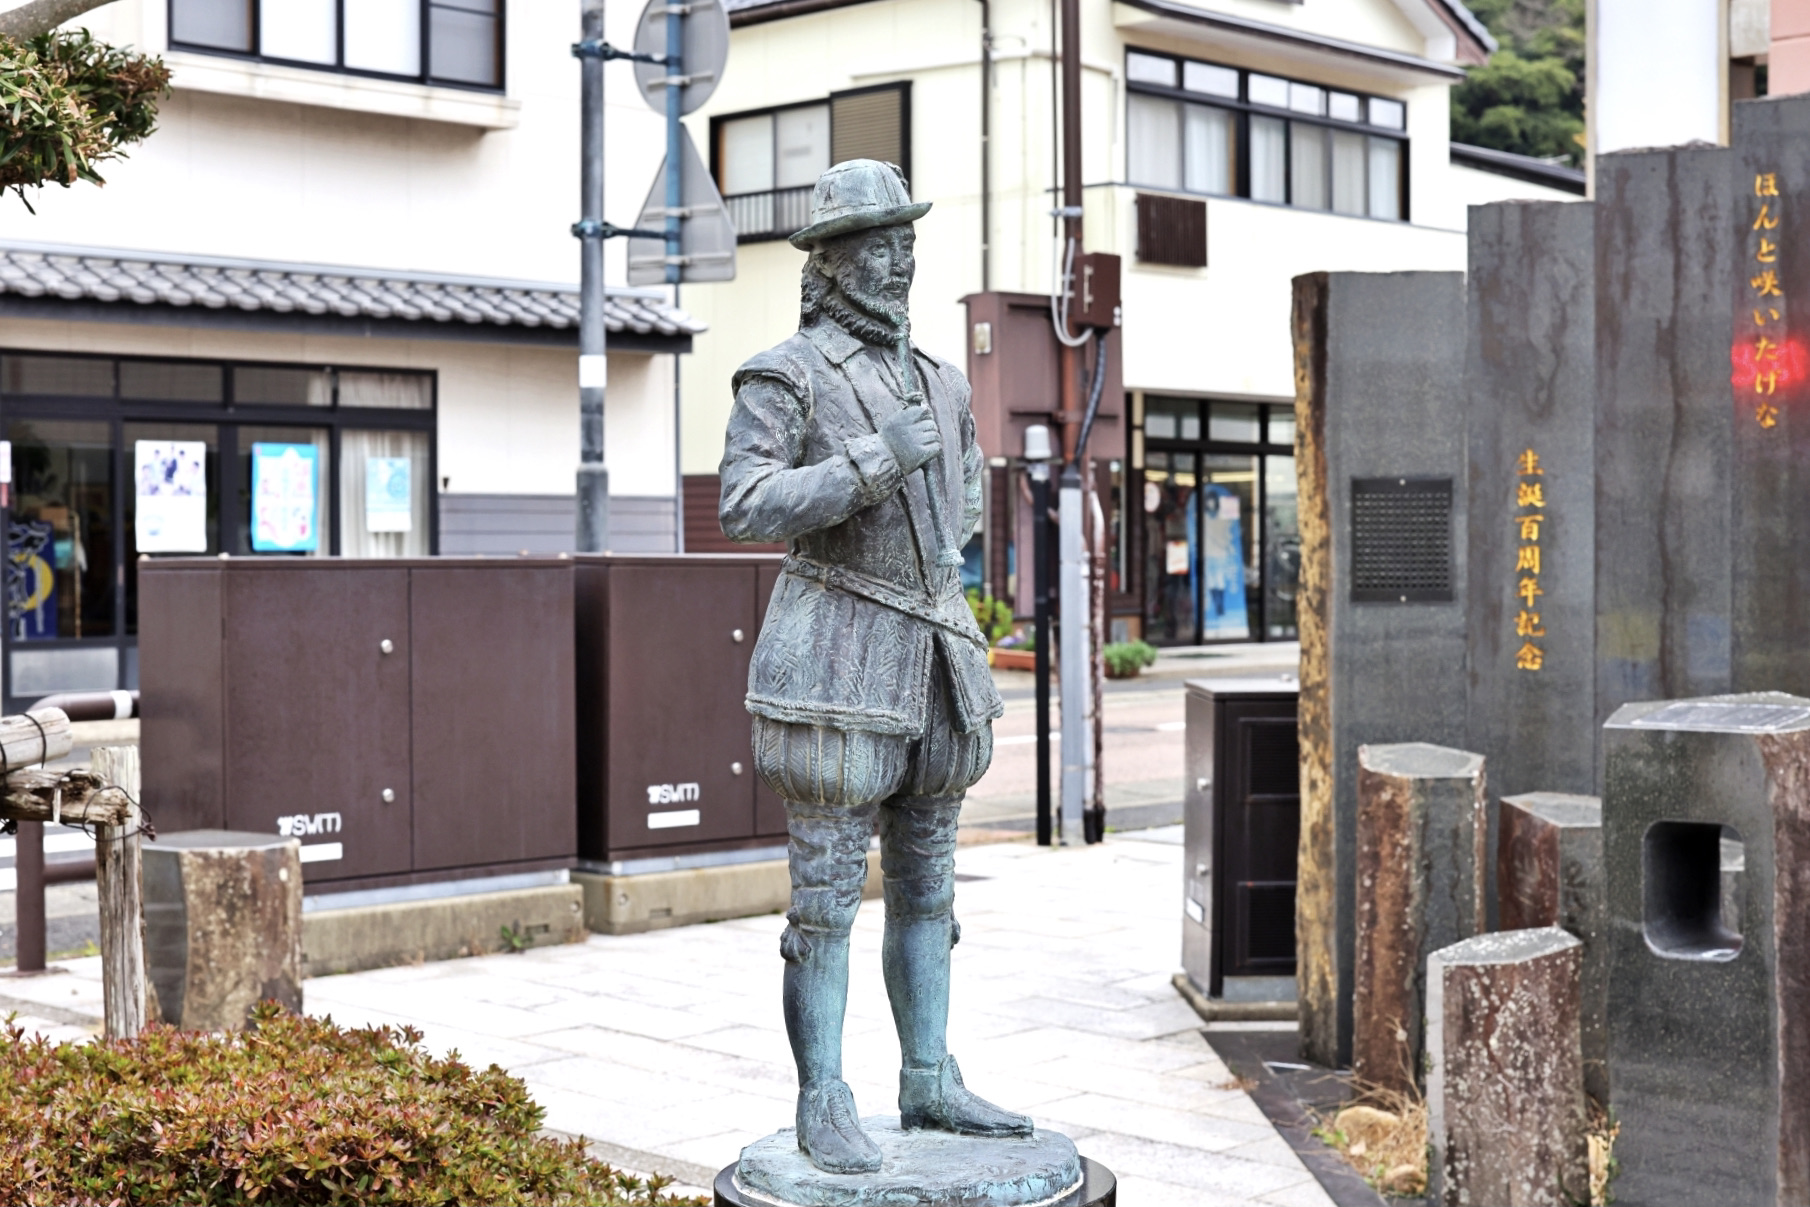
point(1768, 312)
point(1530, 514)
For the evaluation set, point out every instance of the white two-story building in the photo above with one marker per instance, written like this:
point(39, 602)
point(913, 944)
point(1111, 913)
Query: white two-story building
point(341, 272)
point(1229, 145)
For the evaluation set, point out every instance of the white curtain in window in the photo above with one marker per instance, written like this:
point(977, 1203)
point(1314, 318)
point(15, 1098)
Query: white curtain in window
point(747, 154)
point(402, 391)
point(1307, 166)
point(1385, 179)
point(222, 23)
point(357, 451)
point(305, 30)
point(803, 145)
point(383, 35)
point(1269, 159)
point(1155, 142)
point(1348, 155)
point(1207, 149)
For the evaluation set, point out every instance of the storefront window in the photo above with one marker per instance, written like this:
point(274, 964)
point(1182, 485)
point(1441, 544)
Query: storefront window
point(383, 493)
point(282, 491)
point(59, 571)
point(1220, 550)
point(173, 508)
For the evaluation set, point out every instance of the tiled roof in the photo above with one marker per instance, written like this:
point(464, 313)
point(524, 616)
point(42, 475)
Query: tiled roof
point(148, 279)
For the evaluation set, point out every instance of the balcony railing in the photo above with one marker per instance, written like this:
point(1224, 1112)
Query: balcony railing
point(774, 214)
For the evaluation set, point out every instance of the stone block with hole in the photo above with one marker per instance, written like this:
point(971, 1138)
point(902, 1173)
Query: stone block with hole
point(1706, 852)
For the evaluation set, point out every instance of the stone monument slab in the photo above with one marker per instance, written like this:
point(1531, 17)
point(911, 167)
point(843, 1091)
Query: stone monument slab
point(1505, 1098)
point(1418, 841)
point(1709, 1024)
point(1379, 412)
point(1530, 368)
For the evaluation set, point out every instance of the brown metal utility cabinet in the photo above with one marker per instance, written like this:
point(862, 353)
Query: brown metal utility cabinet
point(665, 752)
point(409, 720)
point(1241, 824)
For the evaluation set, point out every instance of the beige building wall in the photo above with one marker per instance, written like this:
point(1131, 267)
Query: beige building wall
point(1218, 330)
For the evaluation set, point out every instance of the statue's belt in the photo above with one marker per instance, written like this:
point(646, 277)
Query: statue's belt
point(878, 591)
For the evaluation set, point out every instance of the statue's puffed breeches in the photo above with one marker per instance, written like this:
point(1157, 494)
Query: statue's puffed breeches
point(837, 783)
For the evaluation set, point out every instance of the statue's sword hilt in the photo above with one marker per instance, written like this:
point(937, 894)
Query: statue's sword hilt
point(946, 552)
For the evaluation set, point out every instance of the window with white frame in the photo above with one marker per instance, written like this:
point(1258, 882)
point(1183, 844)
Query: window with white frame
point(1195, 127)
point(768, 161)
point(456, 42)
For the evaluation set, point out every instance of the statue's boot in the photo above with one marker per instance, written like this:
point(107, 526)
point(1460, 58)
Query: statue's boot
point(917, 853)
point(829, 1130)
point(936, 1098)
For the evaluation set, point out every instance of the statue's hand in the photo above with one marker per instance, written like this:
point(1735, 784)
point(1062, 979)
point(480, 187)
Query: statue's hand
point(912, 437)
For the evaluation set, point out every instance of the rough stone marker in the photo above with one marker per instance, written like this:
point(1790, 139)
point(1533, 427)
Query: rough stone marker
point(1709, 1000)
point(1549, 872)
point(1505, 1079)
point(1418, 847)
point(223, 925)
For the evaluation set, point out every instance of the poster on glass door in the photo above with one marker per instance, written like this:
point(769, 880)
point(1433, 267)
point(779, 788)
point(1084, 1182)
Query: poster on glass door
point(170, 496)
point(285, 498)
point(1223, 614)
point(387, 495)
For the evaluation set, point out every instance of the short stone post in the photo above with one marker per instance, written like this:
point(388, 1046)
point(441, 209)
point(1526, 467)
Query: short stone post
point(1549, 872)
point(1505, 1082)
point(223, 920)
point(1418, 839)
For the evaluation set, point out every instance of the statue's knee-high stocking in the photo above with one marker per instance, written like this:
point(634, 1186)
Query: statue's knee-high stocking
point(917, 852)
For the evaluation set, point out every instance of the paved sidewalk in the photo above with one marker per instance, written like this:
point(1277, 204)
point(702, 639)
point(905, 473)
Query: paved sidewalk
point(668, 1049)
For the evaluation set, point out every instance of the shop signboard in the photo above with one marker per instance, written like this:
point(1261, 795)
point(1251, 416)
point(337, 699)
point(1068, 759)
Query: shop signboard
point(285, 498)
point(387, 495)
point(171, 490)
point(31, 580)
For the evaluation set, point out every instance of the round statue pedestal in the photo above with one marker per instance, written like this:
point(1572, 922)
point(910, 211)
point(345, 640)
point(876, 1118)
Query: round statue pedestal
point(922, 1169)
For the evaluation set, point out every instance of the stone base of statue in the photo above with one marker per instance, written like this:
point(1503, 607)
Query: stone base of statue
point(922, 1169)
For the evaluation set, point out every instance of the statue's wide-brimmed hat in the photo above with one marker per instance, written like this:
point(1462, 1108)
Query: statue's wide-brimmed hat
point(858, 194)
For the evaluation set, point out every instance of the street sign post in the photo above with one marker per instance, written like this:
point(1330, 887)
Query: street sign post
point(705, 247)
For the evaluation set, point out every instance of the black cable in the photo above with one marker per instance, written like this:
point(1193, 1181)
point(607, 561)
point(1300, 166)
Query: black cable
point(1093, 394)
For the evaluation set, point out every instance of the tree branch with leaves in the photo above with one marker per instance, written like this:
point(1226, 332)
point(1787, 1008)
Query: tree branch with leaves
point(67, 100)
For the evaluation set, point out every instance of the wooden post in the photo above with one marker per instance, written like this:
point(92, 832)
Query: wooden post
point(28, 866)
point(116, 865)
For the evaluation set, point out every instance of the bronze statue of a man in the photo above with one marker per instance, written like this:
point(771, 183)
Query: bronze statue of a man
point(869, 685)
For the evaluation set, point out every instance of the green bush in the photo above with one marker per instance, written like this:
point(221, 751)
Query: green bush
point(1126, 658)
point(69, 103)
point(994, 616)
point(296, 1110)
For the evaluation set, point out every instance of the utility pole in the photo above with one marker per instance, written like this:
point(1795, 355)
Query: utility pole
point(593, 357)
point(1071, 552)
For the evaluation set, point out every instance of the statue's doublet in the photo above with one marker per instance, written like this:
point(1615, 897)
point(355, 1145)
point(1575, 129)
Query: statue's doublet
point(854, 628)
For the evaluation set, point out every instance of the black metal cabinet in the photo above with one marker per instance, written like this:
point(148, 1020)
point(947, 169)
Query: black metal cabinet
point(666, 765)
point(407, 720)
point(1242, 825)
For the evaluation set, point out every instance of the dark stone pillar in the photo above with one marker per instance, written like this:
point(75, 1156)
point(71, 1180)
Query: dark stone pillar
point(223, 925)
point(1418, 837)
point(1530, 369)
point(1549, 872)
point(1666, 249)
point(1709, 1024)
point(1381, 459)
point(1505, 1097)
point(1769, 275)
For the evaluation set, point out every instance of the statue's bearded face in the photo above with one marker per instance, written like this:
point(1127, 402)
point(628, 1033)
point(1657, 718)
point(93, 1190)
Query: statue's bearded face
point(872, 272)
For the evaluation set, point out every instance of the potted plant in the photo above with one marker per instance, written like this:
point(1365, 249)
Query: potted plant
point(1125, 659)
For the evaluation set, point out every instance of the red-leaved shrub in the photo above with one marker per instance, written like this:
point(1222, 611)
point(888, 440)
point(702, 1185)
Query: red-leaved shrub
point(295, 1110)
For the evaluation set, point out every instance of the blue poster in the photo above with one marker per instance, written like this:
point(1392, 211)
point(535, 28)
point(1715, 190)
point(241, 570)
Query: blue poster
point(285, 498)
point(1223, 612)
point(31, 580)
